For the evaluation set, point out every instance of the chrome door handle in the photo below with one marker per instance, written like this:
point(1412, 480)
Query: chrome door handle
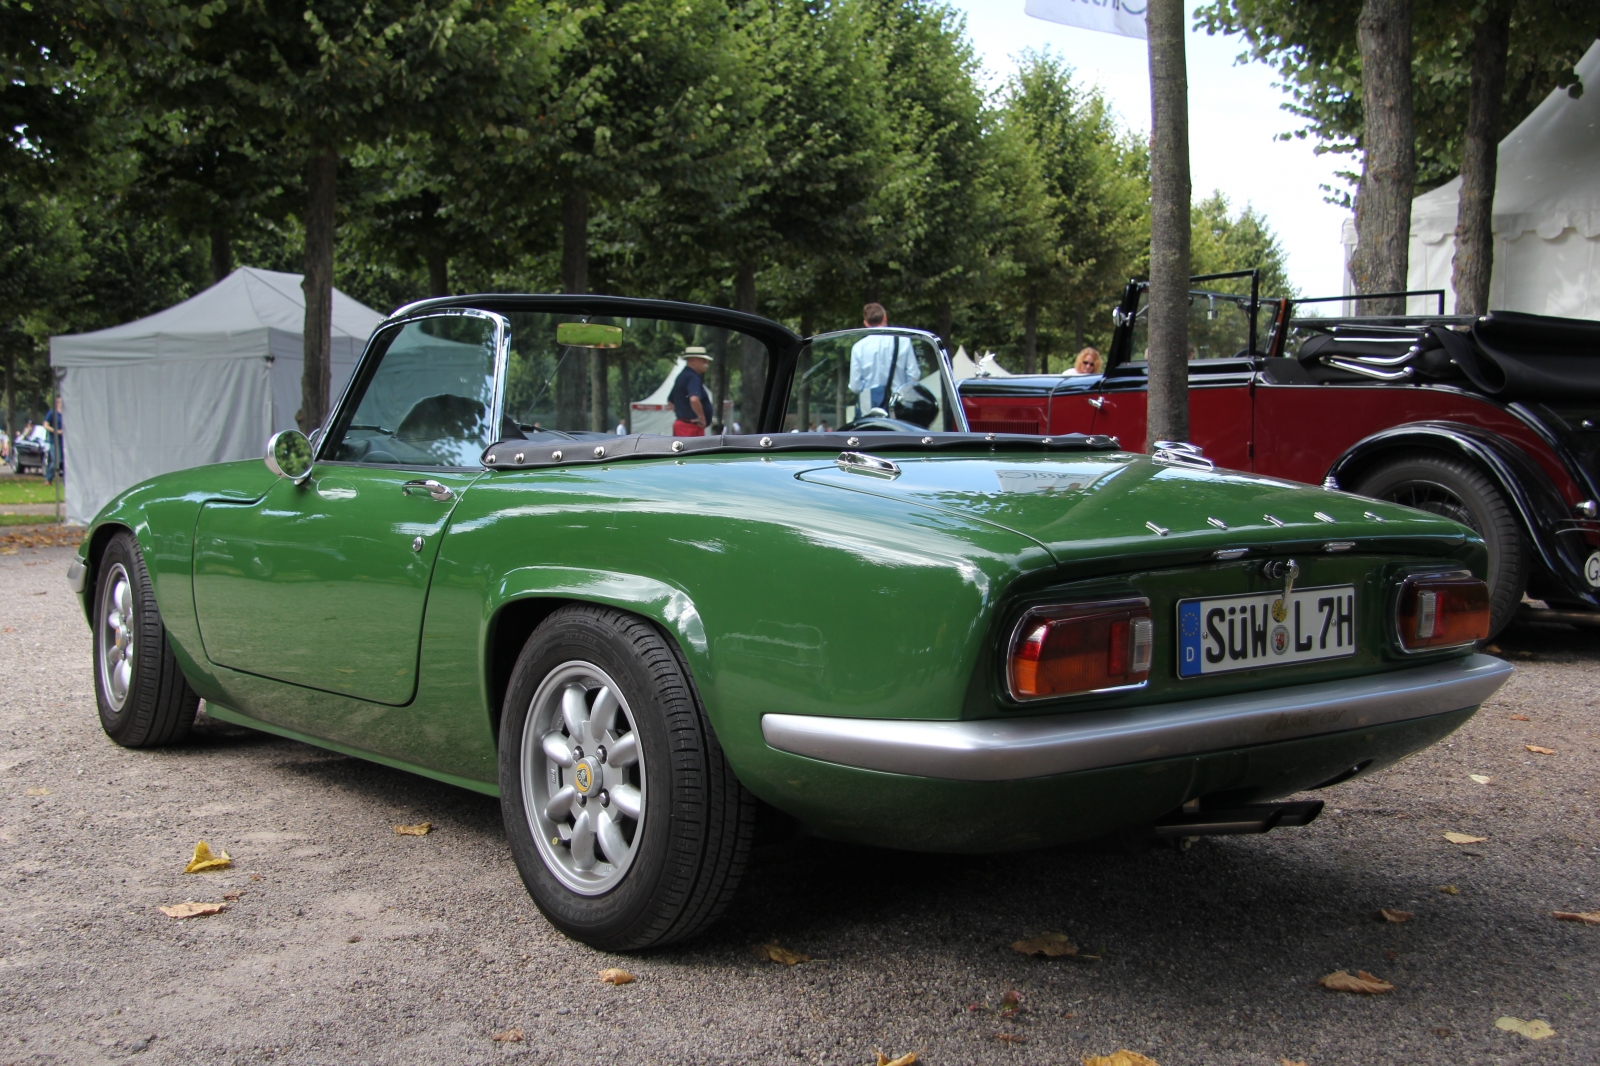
point(1097, 402)
point(430, 486)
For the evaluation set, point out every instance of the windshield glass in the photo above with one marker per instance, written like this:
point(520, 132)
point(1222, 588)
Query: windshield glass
point(581, 375)
point(869, 380)
point(1219, 325)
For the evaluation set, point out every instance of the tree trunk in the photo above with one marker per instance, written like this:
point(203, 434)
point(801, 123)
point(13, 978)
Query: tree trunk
point(11, 400)
point(1030, 338)
point(1389, 165)
point(438, 272)
point(719, 374)
point(598, 401)
point(752, 353)
point(1079, 332)
point(944, 322)
point(626, 401)
point(221, 252)
point(802, 385)
point(1480, 157)
point(1168, 397)
point(572, 377)
point(322, 173)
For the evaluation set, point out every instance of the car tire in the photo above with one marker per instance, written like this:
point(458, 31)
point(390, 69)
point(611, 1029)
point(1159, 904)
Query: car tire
point(633, 847)
point(143, 697)
point(1464, 493)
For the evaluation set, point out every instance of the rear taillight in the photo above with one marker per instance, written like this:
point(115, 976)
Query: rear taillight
point(1442, 611)
point(1081, 647)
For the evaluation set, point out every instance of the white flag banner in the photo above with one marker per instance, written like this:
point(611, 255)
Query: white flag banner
point(1108, 16)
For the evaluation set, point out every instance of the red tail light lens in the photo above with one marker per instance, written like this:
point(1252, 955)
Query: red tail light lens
point(1442, 611)
point(1081, 647)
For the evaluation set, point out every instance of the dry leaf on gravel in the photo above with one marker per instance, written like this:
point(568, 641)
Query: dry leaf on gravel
point(1050, 945)
point(1120, 1057)
point(510, 1036)
point(1464, 838)
point(1011, 1004)
point(613, 976)
point(1520, 718)
point(232, 897)
point(421, 829)
point(193, 910)
point(904, 1060)
point(1010, 1038)
point(1450, 890)
point(1537, 750)
point(1586, 917)
point(1481, 779)
point(204, 859)
point(38, 792)
point(1363, 983)
point(1395, 916)
point(1537, 1029)
point(774, 952)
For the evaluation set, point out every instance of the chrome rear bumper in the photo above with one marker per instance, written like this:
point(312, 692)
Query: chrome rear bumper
point(1016, 748)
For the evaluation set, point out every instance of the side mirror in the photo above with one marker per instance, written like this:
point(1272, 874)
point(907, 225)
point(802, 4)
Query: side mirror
point(289, 455)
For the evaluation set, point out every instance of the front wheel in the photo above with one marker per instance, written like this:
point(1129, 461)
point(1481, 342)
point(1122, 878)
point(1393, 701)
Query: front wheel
point(143, 697)
point(1463, 493)
point(625, 821)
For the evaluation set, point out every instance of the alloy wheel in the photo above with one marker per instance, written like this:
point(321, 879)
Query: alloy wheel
point(116, 637)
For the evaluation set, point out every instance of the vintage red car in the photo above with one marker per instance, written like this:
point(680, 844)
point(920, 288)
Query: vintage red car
point(1493, 421)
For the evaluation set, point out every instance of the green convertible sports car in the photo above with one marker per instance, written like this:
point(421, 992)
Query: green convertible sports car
point(895, 631)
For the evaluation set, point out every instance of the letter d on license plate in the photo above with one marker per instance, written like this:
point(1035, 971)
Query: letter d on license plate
point(1261, 629)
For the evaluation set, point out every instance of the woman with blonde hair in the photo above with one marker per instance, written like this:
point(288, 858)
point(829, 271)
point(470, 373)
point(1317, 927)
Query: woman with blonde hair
point(1089, 361)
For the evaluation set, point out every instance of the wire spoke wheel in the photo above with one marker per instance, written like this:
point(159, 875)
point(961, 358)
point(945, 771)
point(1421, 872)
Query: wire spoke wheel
point(583, 777)
point(1436, 499)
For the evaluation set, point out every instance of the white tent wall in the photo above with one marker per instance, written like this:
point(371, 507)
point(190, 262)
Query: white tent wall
point(208, 380)
point(1546, 215)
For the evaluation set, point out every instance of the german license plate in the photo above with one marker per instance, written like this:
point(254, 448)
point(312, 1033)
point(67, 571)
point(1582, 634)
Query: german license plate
point(1248, 632)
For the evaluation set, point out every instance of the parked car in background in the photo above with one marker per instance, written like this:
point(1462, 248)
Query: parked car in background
point(898, 632)
point(30, 451)
point(1494, 422)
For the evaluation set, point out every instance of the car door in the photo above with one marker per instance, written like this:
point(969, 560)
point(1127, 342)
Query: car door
point(323, 584)
point(1220, 417)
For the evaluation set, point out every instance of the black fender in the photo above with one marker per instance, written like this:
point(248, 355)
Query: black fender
point(1539, 506)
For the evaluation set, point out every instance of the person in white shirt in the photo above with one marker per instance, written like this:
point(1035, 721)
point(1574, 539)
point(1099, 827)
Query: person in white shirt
point(881, 363)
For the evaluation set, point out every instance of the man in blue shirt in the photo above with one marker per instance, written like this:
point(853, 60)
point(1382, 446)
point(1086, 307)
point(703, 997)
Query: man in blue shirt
point(691, 403)
point(56, 461)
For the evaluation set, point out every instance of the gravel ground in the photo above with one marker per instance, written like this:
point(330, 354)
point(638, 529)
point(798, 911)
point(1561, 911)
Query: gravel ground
point(351, 944)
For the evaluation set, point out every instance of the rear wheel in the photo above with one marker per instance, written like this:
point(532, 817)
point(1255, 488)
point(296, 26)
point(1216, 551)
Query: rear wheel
point(143, 697)
point(1461, 492)
point(626, 823)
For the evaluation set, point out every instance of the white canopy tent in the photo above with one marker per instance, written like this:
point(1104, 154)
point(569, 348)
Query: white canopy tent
point(1546, 214)
point(206, 381)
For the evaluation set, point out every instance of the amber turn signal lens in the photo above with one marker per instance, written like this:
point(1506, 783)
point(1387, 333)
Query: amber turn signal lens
point(1082, 647)
point(1442, 611)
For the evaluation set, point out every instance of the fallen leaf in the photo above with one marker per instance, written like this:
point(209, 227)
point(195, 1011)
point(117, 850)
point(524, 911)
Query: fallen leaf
point(1395, 916)
point(421, 829)
point(614, 976)
point(1537, 750)
point(1520, 718)
point(1536, 1029)
point(1120, 1057)
point(204, 860)
point(1479, 778)
point(1391, 954)
point(193, 910)
point(774, 952)
point(256, 877)
point(353, 940)
point(510, 1036)
point(904, 1060)
point(38, 792)
point(1450, 890)
point(1363, 983)
point(1463, 838)
point(1011, 1004)
point(1586, 917)
point(1010, 1038)
point(232, 897)
point(1050, 945)
point(1440, 1031)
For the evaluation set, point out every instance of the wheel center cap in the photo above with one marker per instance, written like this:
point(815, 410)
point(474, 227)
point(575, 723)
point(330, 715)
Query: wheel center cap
point(585, 775)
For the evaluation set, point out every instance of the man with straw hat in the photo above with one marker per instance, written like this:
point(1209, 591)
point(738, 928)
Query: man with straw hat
point(691, 403)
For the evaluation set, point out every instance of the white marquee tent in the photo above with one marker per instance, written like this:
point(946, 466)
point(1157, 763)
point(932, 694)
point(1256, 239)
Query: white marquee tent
point(1546, 214)
point(206, 381)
